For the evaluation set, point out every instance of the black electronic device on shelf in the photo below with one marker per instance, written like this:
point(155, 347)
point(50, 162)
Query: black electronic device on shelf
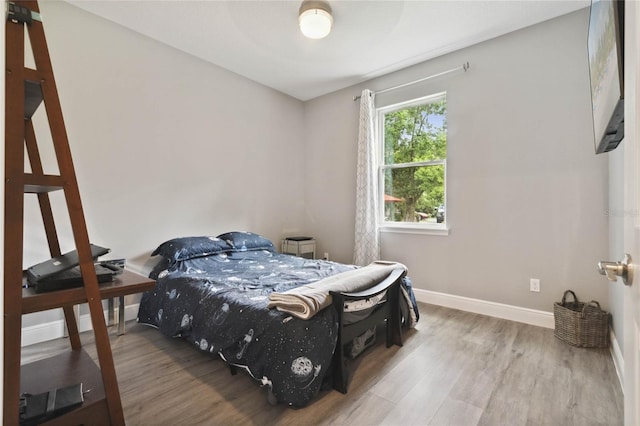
point(63, 272)
point(59, 264)
point(73, 278)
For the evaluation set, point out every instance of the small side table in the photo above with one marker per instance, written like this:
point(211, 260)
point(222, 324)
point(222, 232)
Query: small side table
point(300, 246)
point(126, 283)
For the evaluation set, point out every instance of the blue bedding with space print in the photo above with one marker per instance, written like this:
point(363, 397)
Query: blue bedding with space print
point(213, 292)
point(219, 304)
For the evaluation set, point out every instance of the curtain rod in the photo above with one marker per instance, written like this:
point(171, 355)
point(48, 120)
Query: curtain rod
point(464, 67)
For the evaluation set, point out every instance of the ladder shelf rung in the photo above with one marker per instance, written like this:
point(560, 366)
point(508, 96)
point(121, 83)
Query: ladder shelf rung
point(31, 74)
point(35, 184)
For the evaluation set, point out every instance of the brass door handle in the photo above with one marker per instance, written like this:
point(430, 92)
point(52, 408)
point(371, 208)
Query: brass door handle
point(613, 270)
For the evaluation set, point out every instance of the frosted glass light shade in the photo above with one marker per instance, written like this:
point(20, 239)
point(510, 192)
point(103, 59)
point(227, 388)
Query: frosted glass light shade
point(315, 23)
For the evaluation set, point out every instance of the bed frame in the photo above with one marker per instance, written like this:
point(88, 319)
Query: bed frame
point(389, 312)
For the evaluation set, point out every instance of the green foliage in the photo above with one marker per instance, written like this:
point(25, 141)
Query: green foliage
point(411, 135)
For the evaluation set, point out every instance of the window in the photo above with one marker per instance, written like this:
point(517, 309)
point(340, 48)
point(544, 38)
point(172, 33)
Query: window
point(413, 138)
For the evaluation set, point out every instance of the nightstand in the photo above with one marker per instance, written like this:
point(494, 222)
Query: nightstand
point(300, 246)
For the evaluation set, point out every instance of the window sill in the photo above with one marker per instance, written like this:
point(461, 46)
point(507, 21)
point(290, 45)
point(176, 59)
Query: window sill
point(441, 230)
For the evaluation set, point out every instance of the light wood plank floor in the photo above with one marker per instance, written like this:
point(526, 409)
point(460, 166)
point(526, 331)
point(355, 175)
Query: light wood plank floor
point(456, 368)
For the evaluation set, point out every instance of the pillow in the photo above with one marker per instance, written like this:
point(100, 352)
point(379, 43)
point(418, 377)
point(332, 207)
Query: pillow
point(244, 241)
point(185, 248)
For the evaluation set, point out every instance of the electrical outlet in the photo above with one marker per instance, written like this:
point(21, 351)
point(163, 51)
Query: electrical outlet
point(326, 256)
point(534, 285)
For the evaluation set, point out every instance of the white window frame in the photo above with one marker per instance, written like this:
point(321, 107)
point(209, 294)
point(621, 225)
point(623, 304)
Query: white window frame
point(407, 227)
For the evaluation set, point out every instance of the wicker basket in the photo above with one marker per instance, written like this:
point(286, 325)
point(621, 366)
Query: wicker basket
point(580, 324)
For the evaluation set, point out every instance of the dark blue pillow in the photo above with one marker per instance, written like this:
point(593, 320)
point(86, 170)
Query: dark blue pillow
point(185, 248)
point(244, 241)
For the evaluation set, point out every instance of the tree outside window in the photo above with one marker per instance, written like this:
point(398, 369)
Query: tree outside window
point(414, 138)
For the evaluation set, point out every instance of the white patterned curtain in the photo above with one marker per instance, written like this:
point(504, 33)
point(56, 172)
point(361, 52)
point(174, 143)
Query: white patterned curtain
point(367, 248)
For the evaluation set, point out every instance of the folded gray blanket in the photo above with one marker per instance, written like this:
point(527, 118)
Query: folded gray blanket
point(307, 300)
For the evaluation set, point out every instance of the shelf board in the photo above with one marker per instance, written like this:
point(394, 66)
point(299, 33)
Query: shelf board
point(35, 184)
point(126, 283)
point(39, 189)
point(67, 369)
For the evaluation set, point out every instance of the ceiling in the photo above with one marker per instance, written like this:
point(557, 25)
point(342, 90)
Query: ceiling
point(260, 40)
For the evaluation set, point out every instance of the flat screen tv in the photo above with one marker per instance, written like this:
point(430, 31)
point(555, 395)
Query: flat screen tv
point(605, 44)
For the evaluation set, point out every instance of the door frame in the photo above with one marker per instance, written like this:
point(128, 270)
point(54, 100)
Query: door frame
point(631, 385)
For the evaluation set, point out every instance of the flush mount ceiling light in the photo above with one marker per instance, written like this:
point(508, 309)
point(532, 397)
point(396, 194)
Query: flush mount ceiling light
point(315, 19)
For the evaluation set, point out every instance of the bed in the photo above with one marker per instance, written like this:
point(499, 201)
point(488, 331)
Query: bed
point(220, 294)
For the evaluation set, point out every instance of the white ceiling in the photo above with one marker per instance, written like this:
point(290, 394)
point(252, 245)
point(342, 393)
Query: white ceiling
point(261, 41)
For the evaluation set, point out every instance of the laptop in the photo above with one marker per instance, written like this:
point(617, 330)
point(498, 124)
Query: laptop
point(59, 264)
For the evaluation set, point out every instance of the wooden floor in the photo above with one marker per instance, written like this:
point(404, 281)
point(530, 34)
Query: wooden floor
point(456, 368)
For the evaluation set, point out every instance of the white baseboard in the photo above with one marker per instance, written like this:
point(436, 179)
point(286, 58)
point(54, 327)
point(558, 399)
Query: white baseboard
point(56, 329)
point(618, 359)
point(492, 309)
point(42, 332)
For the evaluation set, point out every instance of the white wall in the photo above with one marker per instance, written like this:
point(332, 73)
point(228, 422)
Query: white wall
point(164, 144)
point(526, 197)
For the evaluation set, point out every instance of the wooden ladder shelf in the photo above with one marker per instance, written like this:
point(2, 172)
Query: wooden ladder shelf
point(25, 90)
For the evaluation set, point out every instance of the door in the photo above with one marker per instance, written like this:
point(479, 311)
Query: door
point(631, 146)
